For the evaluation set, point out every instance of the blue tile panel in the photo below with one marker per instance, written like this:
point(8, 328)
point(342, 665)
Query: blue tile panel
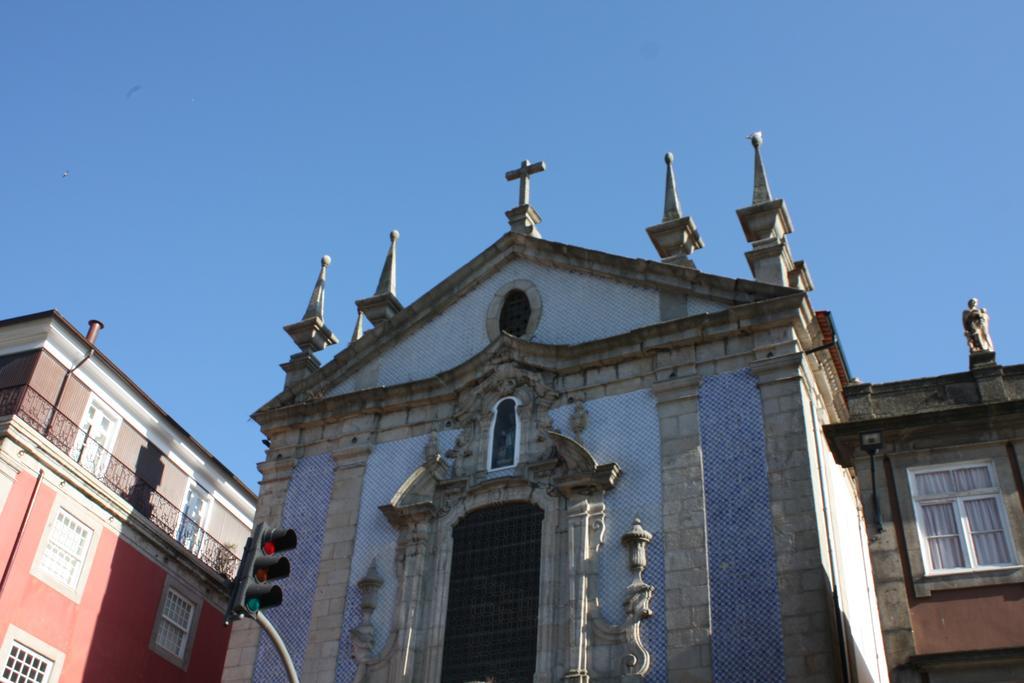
point(746, 625)
point(388, 466)
point(625, 429)
point(305, 511)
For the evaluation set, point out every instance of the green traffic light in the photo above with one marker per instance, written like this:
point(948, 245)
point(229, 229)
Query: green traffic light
point(253, 604)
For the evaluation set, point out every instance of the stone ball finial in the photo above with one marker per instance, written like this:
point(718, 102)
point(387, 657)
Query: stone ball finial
point(756, 138)
point(325, 261)
point(395, 235)
point(669, 157)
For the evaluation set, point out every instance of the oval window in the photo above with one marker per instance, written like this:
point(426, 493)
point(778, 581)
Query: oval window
point(515, 313)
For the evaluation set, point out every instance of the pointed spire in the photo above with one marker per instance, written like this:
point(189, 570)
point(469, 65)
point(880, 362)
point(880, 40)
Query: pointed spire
point(762, 192)
point(388, 282)
point(672, 208)
point(315, 309)
point(310, 334)
point(766, 223)
point(357, 333)
point(676, 237)
point(383, 304)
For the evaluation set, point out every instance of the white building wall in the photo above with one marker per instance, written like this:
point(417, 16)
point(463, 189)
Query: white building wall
point(850, 554)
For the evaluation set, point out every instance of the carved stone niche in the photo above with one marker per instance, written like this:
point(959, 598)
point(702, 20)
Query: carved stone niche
point(558, 475)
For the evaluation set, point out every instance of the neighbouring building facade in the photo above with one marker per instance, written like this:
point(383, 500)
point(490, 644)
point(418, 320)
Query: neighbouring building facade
point(565, 465)
point(117, 529)
point(938, 460)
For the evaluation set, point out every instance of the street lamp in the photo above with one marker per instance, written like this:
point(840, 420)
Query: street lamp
point(871, 442)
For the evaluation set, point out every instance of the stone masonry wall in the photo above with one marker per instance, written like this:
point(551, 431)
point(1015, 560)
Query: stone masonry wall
point(807, 620)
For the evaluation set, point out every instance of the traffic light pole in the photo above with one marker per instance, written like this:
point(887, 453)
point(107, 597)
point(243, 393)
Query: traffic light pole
point(282, 650)
point(251, 591)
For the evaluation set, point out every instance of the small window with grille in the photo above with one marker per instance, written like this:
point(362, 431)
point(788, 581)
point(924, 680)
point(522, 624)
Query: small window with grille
point(24, 665)
point(174, 630)
point(515, 313)
point(175, 621)
point(66, 549)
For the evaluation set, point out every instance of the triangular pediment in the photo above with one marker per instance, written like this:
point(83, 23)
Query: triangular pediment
point(577, 296)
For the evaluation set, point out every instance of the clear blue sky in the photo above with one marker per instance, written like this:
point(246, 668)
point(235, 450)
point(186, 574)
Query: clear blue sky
point(217, 149)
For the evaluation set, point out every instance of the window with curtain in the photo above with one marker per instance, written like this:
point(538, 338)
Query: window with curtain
point(961, 518)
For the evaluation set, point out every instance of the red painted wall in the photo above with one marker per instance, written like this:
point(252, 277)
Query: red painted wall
point(106, 637)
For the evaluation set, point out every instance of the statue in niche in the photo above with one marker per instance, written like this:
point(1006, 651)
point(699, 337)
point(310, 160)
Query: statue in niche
point(975, 321)
point(503, 445)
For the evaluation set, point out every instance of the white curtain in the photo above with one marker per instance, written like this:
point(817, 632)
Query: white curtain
point(953, 481)
point(940, 524)
point(987, 531)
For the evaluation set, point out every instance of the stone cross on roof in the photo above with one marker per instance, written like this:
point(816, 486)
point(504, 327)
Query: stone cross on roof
point(523, 173)
point(524, 218)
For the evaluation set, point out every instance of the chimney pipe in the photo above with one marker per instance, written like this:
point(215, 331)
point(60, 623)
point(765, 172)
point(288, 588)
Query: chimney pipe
point(94, 331)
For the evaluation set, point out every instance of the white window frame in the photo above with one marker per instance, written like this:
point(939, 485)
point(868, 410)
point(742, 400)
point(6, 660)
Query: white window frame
point(189, 595)
point(16, 636)
point(490, 434)
point(86, 519)
point(963, 524)
point(115, 428)
point(204, 513)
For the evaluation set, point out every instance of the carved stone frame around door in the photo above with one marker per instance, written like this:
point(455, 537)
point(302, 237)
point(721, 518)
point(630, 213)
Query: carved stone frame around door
point(558, 475)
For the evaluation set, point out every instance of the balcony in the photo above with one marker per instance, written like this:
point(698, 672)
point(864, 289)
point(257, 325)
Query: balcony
point(68, 437)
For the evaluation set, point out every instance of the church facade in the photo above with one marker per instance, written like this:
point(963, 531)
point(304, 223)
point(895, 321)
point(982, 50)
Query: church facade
point(561, 464)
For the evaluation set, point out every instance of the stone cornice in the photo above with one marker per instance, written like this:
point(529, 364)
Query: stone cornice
point(844, 438)
point(744, 319)
point(678, 388)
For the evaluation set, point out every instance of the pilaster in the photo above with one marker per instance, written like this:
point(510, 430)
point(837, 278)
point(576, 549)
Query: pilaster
point(801, 544)
point(687, 608)
point(335, 564)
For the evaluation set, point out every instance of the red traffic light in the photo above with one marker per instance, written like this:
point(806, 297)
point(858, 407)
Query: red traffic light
point(251, 591)
point(277, 540)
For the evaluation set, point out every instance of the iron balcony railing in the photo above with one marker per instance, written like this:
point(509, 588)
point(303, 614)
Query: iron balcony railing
point(66, 435)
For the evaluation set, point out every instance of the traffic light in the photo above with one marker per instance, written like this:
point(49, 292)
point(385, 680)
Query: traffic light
point(261, 563)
